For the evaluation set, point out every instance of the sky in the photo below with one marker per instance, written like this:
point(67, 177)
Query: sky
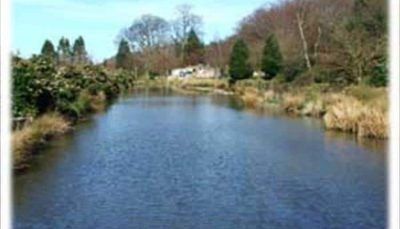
point(99, 21)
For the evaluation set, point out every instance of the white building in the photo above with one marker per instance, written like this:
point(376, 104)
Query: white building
point(258, 74)
point(197, 71)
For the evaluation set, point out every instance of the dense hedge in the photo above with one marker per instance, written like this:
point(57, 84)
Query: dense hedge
point(40, 86)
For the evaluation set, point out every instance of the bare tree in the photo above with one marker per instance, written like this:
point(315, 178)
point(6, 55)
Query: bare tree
point(214, 52)
point(146, 35)
point(302, 10)
point(148, 31)
point(182, 25)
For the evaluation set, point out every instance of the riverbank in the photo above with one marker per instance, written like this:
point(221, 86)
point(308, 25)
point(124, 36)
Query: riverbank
point(360, 110)
point(49, 98)
point(30, 138)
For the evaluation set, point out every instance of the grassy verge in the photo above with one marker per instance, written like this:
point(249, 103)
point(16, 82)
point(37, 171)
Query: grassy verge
point(361, 110)
point(357, 109)
point(27, 140)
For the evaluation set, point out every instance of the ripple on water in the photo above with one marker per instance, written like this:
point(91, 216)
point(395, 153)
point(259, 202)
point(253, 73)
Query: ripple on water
point(187, 162)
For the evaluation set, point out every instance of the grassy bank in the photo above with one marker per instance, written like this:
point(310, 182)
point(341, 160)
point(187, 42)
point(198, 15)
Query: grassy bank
point(33, 135)
point(361, 110)
point(27, 140)
point(55, 97)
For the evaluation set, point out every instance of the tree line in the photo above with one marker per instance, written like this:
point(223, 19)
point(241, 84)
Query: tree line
point(153, 45)
point(338, 42)
point(65, 54)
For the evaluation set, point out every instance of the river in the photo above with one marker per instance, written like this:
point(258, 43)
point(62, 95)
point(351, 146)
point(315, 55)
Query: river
point(161, 160)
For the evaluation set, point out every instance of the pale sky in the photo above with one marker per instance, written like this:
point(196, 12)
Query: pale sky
point(99, 22)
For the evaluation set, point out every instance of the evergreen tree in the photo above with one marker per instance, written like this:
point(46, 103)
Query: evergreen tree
point(239, 66)
point(193, 50)
point(271, 63)
point(48, 50)
point(124, 56)
point(79, 51)
point(64, 51)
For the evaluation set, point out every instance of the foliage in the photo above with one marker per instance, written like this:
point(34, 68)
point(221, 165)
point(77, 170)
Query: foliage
point(64, 51)
point(40, 86)
point(292, 69)
point(239, 66)
point(48, 50)
point(344, 40)
point(194, 50)
point(272, 58)
point(79, 51)
point(379, 74)
point(123, 57)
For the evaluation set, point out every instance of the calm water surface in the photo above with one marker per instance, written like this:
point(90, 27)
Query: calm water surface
point(169, 161)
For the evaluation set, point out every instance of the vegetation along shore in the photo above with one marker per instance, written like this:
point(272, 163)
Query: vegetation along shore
point(49, 97)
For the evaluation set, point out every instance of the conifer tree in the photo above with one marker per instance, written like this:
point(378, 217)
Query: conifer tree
point(48, 50)
point(193, 50)
point(64, 51)
point(239, 66)
point(79, 51)
point(124, 56)
point(271, 63)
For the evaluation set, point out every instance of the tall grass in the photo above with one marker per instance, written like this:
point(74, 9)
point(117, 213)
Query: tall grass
point(251, 98)
point(28, 139)
point(365, 120)
point(344, 115)
point(361, 110)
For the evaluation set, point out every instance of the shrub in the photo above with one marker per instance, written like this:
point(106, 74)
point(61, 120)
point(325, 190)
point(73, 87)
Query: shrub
point(38, 86)
point(292, 69)
point(379, 74)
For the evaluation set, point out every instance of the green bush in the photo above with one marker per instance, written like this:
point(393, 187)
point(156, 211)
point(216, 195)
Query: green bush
point(40, 86)
point(379, 74)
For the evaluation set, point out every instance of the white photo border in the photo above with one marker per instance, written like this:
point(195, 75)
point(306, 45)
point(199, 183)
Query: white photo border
point(393, 178)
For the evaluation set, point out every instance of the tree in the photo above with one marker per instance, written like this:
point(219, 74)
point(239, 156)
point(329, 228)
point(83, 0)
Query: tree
point(185, 22)
point(48, 50)
point(194, 50)
point(147, 35)
point(79, 51)
point(271, 63)
point(358, 51)
point(239, 66)
point(64, 51)
point(123, 57)
point(146, 32)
